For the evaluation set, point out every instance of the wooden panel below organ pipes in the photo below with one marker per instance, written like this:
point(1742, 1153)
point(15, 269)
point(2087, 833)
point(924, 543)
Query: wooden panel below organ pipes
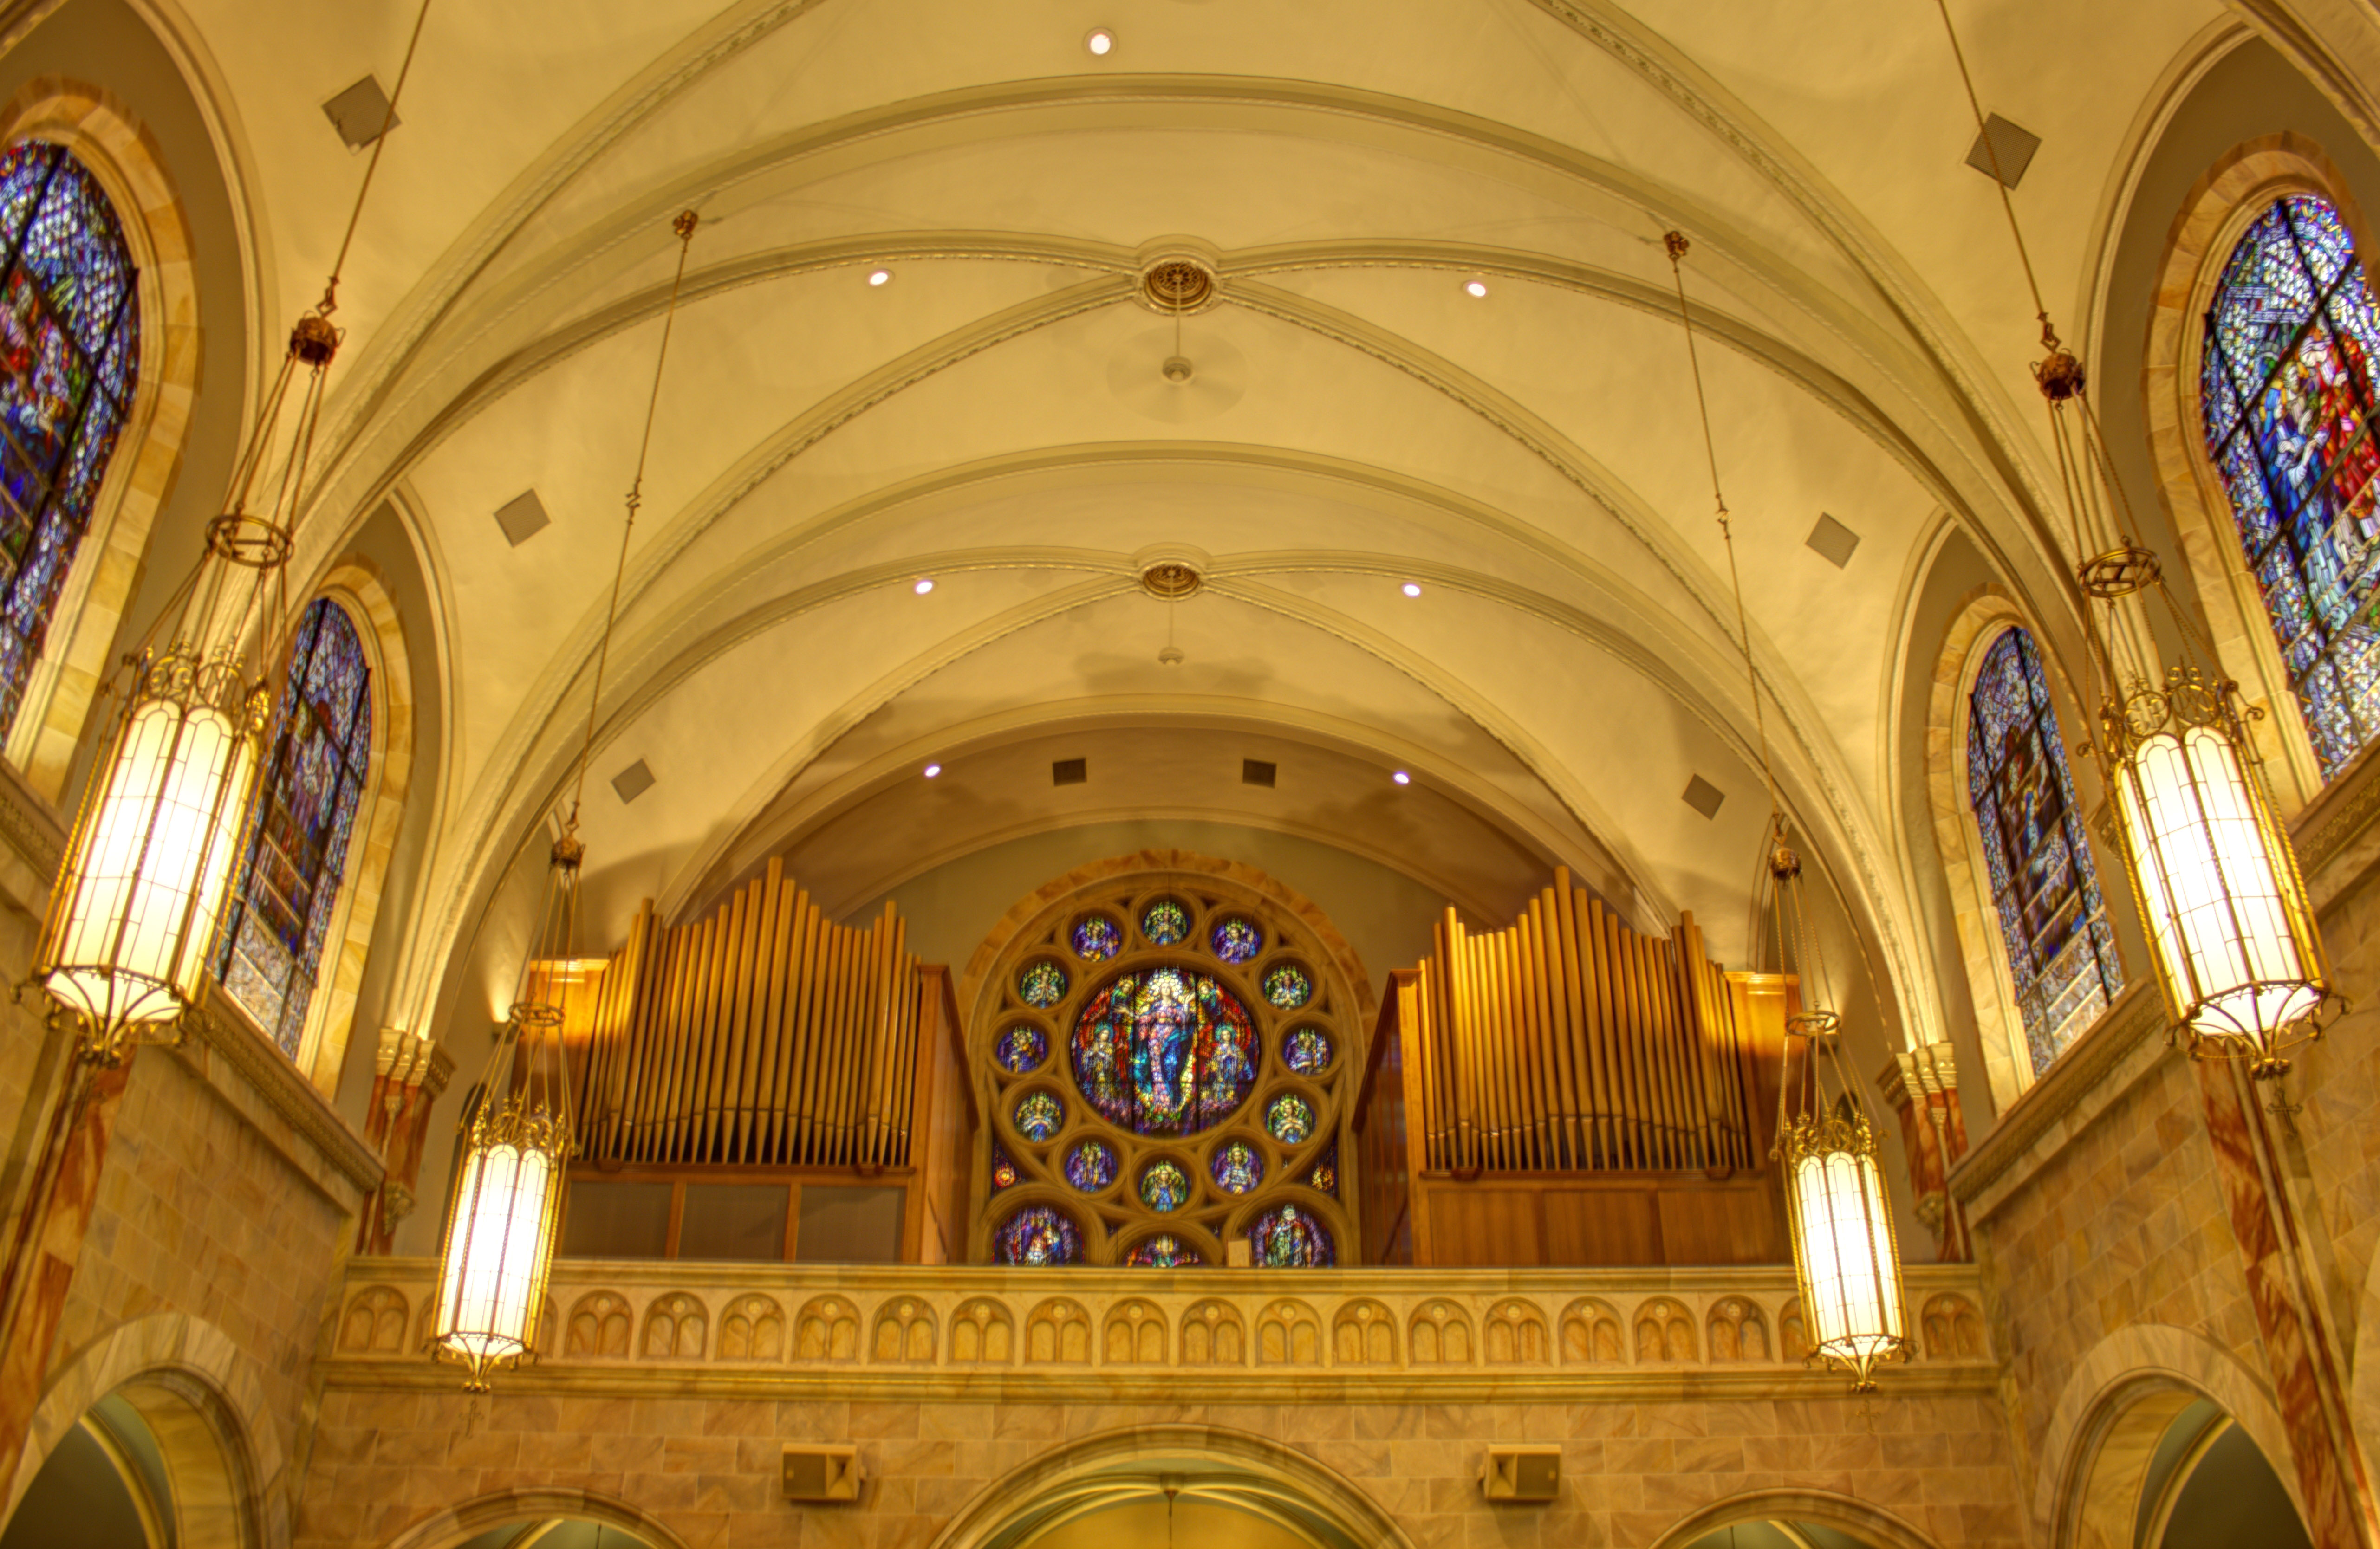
point(1569, 1046)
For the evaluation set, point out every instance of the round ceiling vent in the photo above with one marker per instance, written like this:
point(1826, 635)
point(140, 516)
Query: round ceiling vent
point(1170, 579)
point(1177, 285)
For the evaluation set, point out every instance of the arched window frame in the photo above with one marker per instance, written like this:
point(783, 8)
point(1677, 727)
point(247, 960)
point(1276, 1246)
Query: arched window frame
point(357, 585)
point(2216, 212)
point(108, 139)
point(1976, 624)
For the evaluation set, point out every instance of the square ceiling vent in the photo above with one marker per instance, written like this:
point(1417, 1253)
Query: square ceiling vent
point(1704, 797)
point(633, 781)
point(2012, 145)
point(1256, 771)
point(1070, 771)
point(1833, 540)
point(522, 517)
point(359, 114)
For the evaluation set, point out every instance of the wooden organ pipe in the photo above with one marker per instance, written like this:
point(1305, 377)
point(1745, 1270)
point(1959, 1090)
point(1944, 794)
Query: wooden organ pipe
point(1568, 1042)
point(766, 1035)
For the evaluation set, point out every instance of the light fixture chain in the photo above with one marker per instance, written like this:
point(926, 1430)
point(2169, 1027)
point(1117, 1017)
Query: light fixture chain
point(330, 302)
point(685, 227)
point(2007, 203)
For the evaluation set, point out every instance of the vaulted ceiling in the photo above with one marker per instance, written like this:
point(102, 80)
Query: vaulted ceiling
point(995, 417)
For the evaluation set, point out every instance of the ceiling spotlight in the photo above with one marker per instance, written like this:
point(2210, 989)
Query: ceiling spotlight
point(1475, 288)
point(1402, 778)
point(932, 770)
point(1413, 589)
point(925, 584)
point(879, 276)
point(1099, 40)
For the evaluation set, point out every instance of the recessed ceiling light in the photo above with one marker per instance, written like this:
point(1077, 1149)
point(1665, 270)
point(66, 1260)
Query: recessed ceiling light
point(879, 276)
point(1099, 40)
point(932, 770)
point(1413, 589)
point(1475, 288)
point(925, 584)
point(1402, 778)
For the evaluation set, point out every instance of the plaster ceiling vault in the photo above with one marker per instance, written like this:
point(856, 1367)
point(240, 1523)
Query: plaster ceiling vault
point(994, 416)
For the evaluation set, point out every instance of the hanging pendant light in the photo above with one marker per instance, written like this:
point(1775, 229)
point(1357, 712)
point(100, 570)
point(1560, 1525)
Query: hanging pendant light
point(138, 896)
point(1839, 1216)
point(506, 1215)
point(2214, 873)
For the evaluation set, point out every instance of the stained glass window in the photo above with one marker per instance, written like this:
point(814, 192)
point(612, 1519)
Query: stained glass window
point(69, 356)
point(1164, 1187)
point(1098, 939)
point(1287, 986)
point(270, 951)
point(1288, 1237)
point(1307, 1052)
point(1164, 1251)
point(1041, 986)
point(1004, 1168)
point(1168, 1051)
point(1037, 1235)
point(1165, 923)
point(2287, 382)
point(1237, 1167)
point(2061, 952)
point(1021, 1049)
point(1290, 1119)
point(1090, 1166)
point(1039, 1116)
point(1324, 1174)
point(1236, 938)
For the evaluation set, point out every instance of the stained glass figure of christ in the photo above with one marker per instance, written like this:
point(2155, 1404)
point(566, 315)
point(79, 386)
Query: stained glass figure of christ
point(69, 355)
point(2286, 384)
point(1164, 1051)
point(2061, 952)
point(270, 951)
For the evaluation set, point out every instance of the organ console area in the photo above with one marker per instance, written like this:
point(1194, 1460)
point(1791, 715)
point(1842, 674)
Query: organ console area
point(766, 1084)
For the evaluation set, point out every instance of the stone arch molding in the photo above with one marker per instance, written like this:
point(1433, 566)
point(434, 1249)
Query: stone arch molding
point(106, 136)
point(1868, 1524)
point(2094, 1452)
point(460, 1524)
point(1251, 1473)
point(2215, 213)
point(202, 1399)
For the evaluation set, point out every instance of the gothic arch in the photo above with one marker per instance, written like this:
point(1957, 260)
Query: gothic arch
point(2240, 186)
point(459, 1524)
point(1868, 1524)
point(102, 133)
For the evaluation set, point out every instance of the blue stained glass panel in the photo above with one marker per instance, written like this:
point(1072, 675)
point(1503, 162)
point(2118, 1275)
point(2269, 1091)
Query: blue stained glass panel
point(1164, 1187)
point(1306, 1050)
point(1041, 986)
point(1097, 938)
point(1021, 1049)
point(1038, 1114)
point(1238, 1167)
point(1165, 923)
point(1290, 1119)
point(1287, 986)
point(1164, 1251)
point(2036, 854)
point(1236, 938)
point(297, 851)
point(1037, 1235)
point(1165, 1051)
point(1287, 1238)
point(1091, 1166)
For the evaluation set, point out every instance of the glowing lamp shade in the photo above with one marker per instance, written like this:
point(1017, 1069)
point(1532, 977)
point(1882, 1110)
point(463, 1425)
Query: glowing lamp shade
point(500, 1244)
point(2215, 878)
point(141, 892)
point(1844, 1252)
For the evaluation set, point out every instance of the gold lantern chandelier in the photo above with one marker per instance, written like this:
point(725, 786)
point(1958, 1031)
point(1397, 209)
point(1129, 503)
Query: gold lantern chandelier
point(2214, 873)
point(506, 1215)
point(1846, 1255)
point(139, 896)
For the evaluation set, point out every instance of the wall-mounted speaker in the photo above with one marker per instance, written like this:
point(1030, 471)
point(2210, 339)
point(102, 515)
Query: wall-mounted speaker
point(821, 1471)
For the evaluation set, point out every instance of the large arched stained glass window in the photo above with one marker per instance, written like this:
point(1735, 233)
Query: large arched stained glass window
point(2061, 952)
point(69, 350)
point(2287, 388)
point(271, 949)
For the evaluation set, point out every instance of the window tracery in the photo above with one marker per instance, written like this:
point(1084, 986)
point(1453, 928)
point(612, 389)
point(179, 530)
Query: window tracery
point(69, 359)
point(2045, 886)
point(1168, 1074)
point(2287, 396)
point(271, 952)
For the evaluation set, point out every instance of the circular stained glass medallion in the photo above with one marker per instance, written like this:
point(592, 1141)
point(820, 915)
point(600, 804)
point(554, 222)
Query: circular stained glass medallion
point(1290, 1119)
point(1164, 1251)
point(1039, 1114)
point(1165, 923)
point(1287, 986)
point(1236, 938)
point(1237, 1167)
point(1164, 1186)
point(1041, 986)
point(1164, 1051)
point(1097, 938)
point(1307, 1052)
point(1022, 1047)
point(1288, 1237)
point(1037, 1235)
point(1090, 1166)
